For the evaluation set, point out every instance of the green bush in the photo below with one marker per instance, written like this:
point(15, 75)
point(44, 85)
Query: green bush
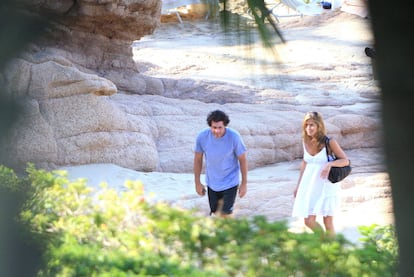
point(118, 233)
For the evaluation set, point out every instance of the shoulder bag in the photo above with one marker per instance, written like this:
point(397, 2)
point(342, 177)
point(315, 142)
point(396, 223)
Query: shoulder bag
point(336, 174)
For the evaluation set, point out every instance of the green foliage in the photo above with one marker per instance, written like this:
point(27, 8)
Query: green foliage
point(380, 250)
point(118, 233)
point(9, 179)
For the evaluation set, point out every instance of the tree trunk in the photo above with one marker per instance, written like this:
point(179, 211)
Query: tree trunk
point(392, 23)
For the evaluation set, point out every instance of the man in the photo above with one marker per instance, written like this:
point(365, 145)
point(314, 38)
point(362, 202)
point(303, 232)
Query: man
point(225, 156)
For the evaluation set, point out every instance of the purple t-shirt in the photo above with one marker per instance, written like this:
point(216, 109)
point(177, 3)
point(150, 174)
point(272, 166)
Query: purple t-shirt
point(221, 156)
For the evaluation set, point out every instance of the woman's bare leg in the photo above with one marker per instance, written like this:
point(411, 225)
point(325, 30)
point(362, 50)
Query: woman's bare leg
point(329, 226)
point(311, 222)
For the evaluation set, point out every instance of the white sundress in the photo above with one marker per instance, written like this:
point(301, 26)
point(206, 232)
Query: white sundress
point(315, 196)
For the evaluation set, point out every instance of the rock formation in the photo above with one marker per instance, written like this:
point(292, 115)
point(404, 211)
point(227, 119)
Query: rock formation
point(88, 101)
point(66, 77)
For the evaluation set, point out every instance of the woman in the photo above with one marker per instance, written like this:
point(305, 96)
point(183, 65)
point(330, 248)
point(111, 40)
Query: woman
point(315, 194)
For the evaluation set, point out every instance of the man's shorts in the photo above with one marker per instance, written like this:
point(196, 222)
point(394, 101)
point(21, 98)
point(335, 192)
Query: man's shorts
point(228, 197)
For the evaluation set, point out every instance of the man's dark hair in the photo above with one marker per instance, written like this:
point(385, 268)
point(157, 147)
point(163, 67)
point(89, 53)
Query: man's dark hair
point(217, 116)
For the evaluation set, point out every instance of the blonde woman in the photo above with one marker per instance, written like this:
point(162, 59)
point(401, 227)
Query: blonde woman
point(314, 194)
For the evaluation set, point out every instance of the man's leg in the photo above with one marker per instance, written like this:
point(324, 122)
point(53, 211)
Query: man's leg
point(213, 199)
point(229, 197)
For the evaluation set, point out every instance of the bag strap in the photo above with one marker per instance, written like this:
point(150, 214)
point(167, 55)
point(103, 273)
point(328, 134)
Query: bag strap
point(327, 147)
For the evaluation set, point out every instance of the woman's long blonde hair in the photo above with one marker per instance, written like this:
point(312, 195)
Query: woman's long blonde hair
point(321, 133)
